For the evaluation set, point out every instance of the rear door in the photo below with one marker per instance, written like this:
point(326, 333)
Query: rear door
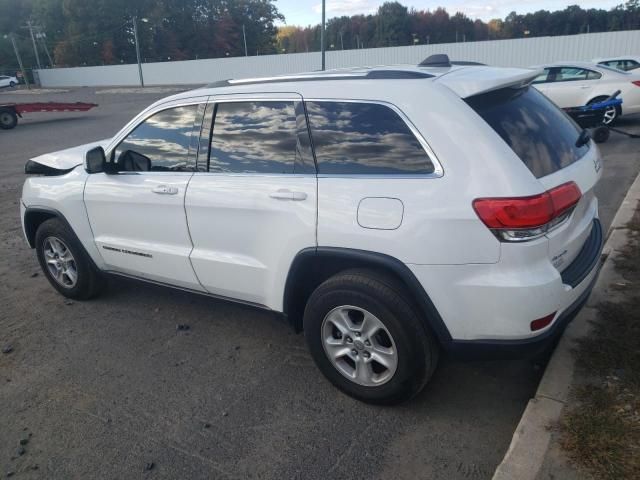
point(253, 206)
point(137, 214)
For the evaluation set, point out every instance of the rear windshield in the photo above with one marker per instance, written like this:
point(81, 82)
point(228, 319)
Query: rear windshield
point(541, 134)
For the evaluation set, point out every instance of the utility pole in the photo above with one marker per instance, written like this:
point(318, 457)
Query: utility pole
point(33, 40)
point(244, 34)
point(135, 35)
point(41, 36)
point(341, 42)
point(322, 35)
point(15, 49)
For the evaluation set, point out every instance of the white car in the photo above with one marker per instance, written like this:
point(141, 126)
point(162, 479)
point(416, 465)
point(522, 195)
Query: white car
point(6, 81)
point(573, 84)
point(390, 213)
point(625, 63)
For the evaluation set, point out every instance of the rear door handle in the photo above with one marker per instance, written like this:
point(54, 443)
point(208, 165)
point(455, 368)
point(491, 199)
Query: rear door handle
point(284, 194)
point(165, 190)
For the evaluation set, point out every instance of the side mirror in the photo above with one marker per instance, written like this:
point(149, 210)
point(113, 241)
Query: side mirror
point(95, 160)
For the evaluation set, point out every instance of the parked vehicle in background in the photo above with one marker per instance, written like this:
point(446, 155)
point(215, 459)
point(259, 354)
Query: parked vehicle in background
point(346, 201)
point(625, 63)
point(7, 81)
point(572, 84)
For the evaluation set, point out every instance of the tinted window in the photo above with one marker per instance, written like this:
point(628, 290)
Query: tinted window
point(541, 134)
point(364, 138)
point(160, 143)
point(631, 65)
point(254, 137)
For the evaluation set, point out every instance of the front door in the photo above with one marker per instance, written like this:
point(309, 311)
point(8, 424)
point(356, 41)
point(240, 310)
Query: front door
point(137, 214)
point(254, 208)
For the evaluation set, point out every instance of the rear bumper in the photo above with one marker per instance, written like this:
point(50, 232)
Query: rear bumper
point(488, 309)
point(522, 348)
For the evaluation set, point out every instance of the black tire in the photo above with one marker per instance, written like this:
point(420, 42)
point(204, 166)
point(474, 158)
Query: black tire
point(89, 280)
point(12, 84)
point(8, 119)
point(601, 134)
point(618, 110)
point(417, 351)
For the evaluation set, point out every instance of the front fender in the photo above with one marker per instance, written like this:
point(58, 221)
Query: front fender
point(63, 197)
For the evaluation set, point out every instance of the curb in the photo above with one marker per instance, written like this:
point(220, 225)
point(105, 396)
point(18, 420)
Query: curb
point(532, 436)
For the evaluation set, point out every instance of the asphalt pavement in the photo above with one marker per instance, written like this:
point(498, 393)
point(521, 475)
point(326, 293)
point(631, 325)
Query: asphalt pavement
point(110, 389)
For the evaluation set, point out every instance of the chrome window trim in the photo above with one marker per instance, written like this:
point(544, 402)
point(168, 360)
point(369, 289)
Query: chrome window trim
point(438, 170)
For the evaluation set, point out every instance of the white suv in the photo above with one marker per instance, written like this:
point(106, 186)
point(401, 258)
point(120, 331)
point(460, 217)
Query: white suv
point(390, 213)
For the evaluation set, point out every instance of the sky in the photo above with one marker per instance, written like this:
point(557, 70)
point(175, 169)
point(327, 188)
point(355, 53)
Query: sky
point(308, 12)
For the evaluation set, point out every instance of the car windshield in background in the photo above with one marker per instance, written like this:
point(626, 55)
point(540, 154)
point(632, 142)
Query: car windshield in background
point(541, 134)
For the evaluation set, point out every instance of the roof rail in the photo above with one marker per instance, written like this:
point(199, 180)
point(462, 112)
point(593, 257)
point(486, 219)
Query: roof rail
point(370, 75)
point(436, 60)
point(467, 63)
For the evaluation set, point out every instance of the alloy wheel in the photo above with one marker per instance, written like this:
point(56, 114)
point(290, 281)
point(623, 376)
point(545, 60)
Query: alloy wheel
point(359, 345)
point(60, 262)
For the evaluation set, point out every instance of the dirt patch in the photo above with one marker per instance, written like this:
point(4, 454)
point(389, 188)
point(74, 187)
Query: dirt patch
point(601, 431)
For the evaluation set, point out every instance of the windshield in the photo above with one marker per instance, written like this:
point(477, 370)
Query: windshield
point(542, 135)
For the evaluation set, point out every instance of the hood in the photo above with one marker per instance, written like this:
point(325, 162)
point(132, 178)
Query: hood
point(62, 161)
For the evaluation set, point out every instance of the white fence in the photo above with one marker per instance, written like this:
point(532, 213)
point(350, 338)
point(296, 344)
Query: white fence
point(512, 53)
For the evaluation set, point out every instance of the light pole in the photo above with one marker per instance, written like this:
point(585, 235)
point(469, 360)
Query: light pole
point(244, 34)
point(322, 35)
point(15, 49)
point(135, 36)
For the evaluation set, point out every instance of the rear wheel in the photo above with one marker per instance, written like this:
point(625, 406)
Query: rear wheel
point(600, 134)
point(12, 84)
point(64, 261)
point(367, 339)
point(8, 119)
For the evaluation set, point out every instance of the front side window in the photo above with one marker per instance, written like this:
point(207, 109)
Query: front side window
point(160, 143)
point(542, 78)
point(364, 138)
point(255, 137)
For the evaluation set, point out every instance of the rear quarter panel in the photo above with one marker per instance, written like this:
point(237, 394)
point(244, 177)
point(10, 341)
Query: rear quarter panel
point(439, 225)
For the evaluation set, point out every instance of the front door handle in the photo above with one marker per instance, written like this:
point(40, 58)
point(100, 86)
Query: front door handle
point(165, 190)
point(284, 194)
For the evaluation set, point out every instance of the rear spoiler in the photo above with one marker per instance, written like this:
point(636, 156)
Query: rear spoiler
point(470, 81)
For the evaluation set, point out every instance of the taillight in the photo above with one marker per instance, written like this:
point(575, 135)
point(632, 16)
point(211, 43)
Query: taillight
point(526, 218)
point(542, 322)
point(636, 83)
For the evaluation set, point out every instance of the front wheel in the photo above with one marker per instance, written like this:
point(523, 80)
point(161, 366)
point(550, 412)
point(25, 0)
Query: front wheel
point(64, 261)
point(12, 84)
point(366, 338)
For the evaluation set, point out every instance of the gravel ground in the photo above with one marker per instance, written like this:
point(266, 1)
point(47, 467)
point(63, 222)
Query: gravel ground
point(110, 389)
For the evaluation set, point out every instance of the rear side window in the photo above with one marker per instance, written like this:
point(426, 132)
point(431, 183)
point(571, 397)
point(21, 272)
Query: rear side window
point(255, 137)
point(541, 134)
point(364, 138)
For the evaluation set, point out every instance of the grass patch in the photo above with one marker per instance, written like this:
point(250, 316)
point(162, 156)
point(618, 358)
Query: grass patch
point(601, 430)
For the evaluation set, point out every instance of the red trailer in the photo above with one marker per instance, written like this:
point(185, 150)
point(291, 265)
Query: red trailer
point(9, 112)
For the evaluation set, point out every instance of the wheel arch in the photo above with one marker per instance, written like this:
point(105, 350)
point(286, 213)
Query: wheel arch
point(34, 217)
point(312, 266)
